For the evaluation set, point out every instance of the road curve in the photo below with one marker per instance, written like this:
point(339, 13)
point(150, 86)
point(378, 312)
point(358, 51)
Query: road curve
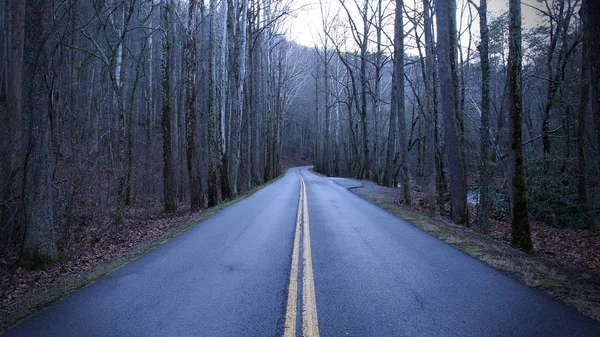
point(374, 275)
point(228, 276)
point(377, 275)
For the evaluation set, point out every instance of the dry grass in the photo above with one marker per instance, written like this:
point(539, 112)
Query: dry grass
point(579, 289)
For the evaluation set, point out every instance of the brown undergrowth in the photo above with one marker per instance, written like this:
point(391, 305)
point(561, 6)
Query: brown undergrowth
point(294, 161)
point(95, 251)
point(566, 265)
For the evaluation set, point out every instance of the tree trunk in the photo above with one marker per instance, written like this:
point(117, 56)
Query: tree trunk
point(484, 160)
point(430, 143)
point(447, 46)
point(336, 150)
point(131, 119)
point(39, 246)
point(399, 74)
point(168, 172)
point(592, 15)
point(149, 184)
point(214, 174)
point(586, 59)
point(390, 167)
point(193, 162)
point(119, 84)
point(237, 102)
point(326, 154)
point(12, 129)
point(364, 171)
point(318, 167)
point(521, 236)
point(227, 111)
point(553, 83)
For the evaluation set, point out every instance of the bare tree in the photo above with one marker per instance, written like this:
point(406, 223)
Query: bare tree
point(193, 162)
point(39, 245)
point(592, 31)
point(521, 236)
point(361, 39)
point(237, 69)
point(168, 173)
point(11, 117)
point(447, 46)
point(430, 111)
point(397, 112)
point(101, 134)
point(484, 136)
point(325, 55)
point(118, 73)
point(586, 59)
point(389, 174)
point(214, 174)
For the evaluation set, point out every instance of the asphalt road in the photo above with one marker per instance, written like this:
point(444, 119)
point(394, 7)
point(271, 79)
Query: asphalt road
point(374, 275)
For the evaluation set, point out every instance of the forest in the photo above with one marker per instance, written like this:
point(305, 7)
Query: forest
point(458, 110)
point(108, 105)
point(115, 108)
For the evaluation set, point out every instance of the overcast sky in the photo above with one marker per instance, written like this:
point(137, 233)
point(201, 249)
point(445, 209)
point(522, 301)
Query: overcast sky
point(304, 26)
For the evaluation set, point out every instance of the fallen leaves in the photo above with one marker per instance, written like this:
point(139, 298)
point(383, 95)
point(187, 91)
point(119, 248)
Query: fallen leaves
point(566, 266)
point(92, 244)
point(573, 249)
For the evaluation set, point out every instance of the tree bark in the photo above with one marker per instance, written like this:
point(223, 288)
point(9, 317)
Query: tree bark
point(149, 184)
point(390, 167)
point(521, 236)
point(12, 128)
point(326, 154)
point(447, 46)
point(238, 69)
point(586, 59)
point(168, 172)
point(365, 169)
point(214, 174)
point(399, 74)
point(430, 120)
point(227, 112)
point(553, 86)
point(119, 85)
point(592, 15)
point(39, 246)
point(484, 137)
point(193, 162)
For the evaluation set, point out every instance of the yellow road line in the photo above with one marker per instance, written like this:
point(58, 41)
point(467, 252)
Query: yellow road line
point(290, 312)
point(310, 323)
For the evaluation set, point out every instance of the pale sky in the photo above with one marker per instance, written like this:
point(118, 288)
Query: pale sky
point(305, 25)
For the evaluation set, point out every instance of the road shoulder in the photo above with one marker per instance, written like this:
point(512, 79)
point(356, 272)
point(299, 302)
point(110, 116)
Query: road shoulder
point(577, 289)
point(56, 286)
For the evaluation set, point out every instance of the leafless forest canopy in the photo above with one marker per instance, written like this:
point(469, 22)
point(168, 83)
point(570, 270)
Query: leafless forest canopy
point(115, 106)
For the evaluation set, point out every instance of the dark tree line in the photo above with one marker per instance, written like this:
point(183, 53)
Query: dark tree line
point(506, 120)
point(112, 104)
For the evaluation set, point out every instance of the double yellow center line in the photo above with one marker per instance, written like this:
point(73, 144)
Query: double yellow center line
point(310, 323)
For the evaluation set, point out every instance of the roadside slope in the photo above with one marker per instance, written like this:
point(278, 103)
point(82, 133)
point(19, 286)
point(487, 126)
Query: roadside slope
point(225, 276)
point(377, 275)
